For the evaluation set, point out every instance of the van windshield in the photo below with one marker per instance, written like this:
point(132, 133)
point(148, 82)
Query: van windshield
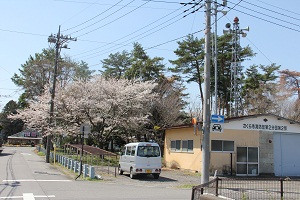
point(148, 151)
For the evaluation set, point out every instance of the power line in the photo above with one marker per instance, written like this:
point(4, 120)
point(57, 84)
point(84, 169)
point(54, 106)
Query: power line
point(272, 11)
point(96, 17)
point(162, 43)
point(269, 16)
point(80, 12)
point(25, 33)
point(108, 4)
point(134, 31)
point(266, 20)
point(157, 1)
point(278, 7)
point(259, 50)
point(136, 35)
point(140, 35)
point(114, 19)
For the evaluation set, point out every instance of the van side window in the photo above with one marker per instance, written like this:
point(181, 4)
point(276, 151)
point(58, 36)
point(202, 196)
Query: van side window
point(128, 150)
point(123, 151)
point(133, 150)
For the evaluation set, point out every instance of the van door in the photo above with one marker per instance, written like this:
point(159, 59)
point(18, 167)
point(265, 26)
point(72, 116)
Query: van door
point(132, 157)
point(126, 159)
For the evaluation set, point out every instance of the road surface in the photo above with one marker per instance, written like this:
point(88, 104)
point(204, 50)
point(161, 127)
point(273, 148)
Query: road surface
point(25, 175)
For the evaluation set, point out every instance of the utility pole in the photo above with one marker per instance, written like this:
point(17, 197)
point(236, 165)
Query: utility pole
point(216, 5)
point(206, 104)
point(59, 41)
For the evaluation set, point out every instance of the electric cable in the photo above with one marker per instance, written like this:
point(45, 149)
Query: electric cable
point(269, 16)
point(278, 7)
point(140, 37)
point(25, 33)
point(114, 19)
point(97, 16)
point(266, 20)
point(79, 12)
point(137, 30)
point(131, 32)
point(272, 11)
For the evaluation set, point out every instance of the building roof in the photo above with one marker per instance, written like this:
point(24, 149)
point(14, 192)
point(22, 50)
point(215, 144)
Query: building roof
point(189, 125)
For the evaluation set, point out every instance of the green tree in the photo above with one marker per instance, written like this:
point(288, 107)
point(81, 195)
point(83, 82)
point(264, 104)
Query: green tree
point(116, 65)
point(260, 89)
point(143, 67)
point(189, 64)
point(10, 127)
point(37, 71)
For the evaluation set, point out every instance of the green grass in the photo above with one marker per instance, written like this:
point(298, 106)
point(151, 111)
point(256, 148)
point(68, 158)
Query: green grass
point(186, 186)
point(41, 153)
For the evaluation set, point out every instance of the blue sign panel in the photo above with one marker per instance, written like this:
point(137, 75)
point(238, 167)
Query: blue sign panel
point(217, 118)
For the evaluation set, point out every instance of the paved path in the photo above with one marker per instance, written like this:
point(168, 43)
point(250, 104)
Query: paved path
point(24, 175)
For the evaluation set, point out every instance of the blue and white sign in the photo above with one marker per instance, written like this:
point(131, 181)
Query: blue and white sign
point(217, 119)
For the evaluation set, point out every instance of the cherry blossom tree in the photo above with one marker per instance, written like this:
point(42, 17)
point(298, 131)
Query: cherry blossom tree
point(109, 105)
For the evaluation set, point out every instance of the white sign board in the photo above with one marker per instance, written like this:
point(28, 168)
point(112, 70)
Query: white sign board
point(216, 127)
point(85, 129)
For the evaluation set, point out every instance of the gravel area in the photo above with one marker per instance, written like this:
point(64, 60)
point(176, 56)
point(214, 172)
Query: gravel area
point(168, 178)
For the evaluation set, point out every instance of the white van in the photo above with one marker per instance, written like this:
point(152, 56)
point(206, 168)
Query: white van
point(140, 158)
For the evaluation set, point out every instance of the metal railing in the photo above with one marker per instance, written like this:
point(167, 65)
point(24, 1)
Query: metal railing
point(250, 188)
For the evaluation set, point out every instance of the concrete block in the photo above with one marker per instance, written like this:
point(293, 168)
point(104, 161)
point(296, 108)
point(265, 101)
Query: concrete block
point(75, 166)
point(85, 170)
point(92, 172)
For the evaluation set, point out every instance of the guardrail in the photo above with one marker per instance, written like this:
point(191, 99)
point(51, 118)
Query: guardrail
point(71, 164)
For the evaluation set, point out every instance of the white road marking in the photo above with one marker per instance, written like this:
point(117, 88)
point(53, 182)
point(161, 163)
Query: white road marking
point(26, 154)
point(33, 180)
point(28, 196)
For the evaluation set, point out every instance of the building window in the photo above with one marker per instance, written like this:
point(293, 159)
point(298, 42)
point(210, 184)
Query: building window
point(173, 145)
point(191, 145)
point(178, 144)
point(222, 145)
point(182, 145)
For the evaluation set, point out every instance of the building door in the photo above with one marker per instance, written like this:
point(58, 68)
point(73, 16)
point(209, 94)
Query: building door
point(286, 154)
point(247, 161)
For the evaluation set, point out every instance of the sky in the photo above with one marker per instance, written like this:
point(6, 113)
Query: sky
point(109, 26)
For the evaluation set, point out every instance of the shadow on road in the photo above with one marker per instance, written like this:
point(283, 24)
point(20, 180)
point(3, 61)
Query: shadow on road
point(146, 177)
point(5, 154)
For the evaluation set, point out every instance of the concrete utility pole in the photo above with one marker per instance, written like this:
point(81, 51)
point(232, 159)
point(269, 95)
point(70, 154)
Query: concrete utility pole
point(206, 104)
point(216, 5)
point(59, 40)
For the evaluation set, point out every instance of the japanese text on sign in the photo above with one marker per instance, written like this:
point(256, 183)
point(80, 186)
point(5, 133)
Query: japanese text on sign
point(265, 127)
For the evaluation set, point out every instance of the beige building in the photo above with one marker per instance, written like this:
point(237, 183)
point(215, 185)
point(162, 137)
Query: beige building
point(246, 146)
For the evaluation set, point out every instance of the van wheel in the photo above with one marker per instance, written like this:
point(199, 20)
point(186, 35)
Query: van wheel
point(120, 171)
point(131, 175)
point(156, 176)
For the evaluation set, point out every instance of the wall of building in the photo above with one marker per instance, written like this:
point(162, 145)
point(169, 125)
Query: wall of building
point(266, 152)
point(221, 161)
point(183, 160)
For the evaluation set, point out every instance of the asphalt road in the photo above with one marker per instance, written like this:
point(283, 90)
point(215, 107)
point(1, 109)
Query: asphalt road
point(24, 175)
